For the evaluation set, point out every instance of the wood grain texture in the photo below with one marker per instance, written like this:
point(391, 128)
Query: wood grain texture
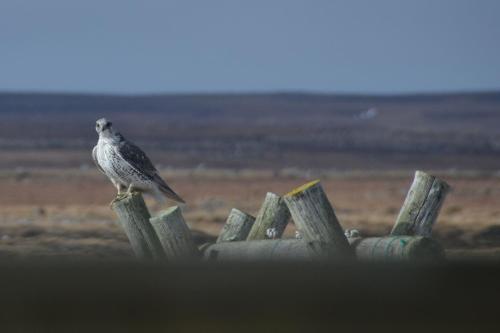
point(273, 214)
point(316, 221)
point(237, 227)
point(134, 218)
point(174, 234)
point(398, 248)
point(259, 250)
point(421, 206)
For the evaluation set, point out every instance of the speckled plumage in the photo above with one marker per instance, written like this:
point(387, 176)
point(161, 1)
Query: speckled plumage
point(126, 165)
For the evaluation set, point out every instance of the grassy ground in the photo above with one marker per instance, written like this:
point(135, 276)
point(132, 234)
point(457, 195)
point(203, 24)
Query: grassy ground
point(66, 212)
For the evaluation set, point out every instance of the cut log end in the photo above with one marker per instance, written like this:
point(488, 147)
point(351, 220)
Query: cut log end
point(427, 249)
point(165, 212)
point(174, 234)
point(316, 220)
point(237, 227)
point(421, 206)
point(273, 214)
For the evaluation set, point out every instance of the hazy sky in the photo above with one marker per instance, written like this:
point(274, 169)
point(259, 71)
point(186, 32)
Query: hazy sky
point(273, 45)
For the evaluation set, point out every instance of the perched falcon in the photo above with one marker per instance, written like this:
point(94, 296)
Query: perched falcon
point(126, 165)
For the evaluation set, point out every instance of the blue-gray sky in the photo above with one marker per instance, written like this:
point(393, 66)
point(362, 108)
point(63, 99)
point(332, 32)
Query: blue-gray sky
point(122, 46)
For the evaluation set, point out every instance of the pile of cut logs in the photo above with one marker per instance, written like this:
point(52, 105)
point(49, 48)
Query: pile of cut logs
point(319, 234)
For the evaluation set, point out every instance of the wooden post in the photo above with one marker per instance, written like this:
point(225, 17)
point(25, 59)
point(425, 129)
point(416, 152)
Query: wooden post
point(134, 219)
point(399, 248)
point(237, 227)
point(174, 234)
point(273, 215)
point(259, 250)
point(315, 220)
point(421, 206)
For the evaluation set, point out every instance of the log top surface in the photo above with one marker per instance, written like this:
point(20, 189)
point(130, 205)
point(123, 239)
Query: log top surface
point(237, 211)
point(167, 211)
point(302, 188)
point(423, 174)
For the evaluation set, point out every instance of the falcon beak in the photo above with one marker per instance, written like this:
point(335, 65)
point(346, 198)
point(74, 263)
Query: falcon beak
point(107, 126)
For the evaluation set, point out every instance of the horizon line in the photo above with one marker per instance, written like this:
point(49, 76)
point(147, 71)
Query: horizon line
point(253, 93)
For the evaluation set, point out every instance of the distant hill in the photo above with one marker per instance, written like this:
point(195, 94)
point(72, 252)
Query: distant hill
point(264, 130)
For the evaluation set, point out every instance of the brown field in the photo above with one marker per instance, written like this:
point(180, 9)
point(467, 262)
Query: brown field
point(66, 212)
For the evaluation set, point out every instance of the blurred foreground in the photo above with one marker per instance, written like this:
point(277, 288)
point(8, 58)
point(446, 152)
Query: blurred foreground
point(142, 297)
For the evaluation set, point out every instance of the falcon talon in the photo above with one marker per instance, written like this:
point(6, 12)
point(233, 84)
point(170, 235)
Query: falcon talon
point(119, 197)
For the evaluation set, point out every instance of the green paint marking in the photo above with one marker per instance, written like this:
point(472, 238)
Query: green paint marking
point(386, 251)
point(375, 247)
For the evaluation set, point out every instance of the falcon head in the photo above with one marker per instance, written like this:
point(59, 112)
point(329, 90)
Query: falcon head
point(103, 126)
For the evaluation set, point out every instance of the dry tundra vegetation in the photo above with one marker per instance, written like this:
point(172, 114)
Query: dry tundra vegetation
point(225, 151)
point(66, 212)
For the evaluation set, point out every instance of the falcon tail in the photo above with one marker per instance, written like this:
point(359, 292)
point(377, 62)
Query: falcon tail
point(170, 194)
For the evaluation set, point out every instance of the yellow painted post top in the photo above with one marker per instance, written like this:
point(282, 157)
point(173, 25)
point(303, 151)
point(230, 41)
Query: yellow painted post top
point(302, 188)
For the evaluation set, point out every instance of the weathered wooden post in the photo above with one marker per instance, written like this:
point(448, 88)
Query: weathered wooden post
point(175, 236)
point(273, 215)
point(421, 206)
point(397, 248)
point(259, 250)
point(134, 219)
point(237, 227)
point(316, 221)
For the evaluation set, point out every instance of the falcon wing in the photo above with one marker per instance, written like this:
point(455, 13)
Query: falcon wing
point(140, 162)
point(94, 157)
point(134, 156)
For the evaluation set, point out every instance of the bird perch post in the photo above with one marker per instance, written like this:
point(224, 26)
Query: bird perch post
point(273, 215)
point(315, 219)
point(421, 206)
point(237, 226)
point(174, 235)
point(134, 219)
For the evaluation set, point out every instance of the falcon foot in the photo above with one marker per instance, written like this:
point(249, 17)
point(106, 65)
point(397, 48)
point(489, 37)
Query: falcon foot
point(131, 190)
point(119, 196)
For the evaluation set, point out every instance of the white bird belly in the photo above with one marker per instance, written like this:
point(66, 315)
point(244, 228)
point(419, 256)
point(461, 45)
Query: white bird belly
point(119, 170)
